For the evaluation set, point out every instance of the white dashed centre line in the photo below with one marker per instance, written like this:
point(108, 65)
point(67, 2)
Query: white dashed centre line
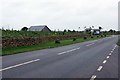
point(90, 44)
point(108, 57)
point(110, 54)
point(68, 51)
point(104, 61)
point(20, 64)
point(112, 51)
point(100, 68)
point(93, 77)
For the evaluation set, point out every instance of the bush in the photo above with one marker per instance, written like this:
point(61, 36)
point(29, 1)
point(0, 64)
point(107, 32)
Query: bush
point(97, 36)
point(57, 41)
point(101, 35)
point(85, 37)
point(118, 43)
point(74, 39)
point(63, 33)
point(91, 36)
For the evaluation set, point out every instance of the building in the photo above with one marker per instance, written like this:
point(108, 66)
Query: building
point(93, 31)
point(88, 30)
point(96, 31)
point(41, 28)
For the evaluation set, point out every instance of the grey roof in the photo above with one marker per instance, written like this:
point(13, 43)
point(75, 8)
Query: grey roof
point(37, 28)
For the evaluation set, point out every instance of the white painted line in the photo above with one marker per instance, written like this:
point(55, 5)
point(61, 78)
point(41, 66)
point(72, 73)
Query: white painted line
point(78, 48)
point(62, 53)
point(110, 54)
point(112, 51)
point(108, 57)
point(90, 44)
point(20, 64)
point(93, 77)
point(115, 46)
point(104, 61)
point(100, 68)
point(68, 51)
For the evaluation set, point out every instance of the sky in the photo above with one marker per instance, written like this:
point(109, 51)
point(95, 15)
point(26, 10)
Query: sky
point(59, 14)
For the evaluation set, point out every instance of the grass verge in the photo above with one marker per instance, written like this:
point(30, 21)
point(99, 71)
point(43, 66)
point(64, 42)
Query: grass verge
point(15, 50)
point(118, 43)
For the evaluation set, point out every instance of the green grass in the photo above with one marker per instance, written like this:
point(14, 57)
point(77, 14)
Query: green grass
point(21, 49)
point(118, 42)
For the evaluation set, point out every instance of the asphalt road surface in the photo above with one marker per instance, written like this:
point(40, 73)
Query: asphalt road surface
point(92, 59)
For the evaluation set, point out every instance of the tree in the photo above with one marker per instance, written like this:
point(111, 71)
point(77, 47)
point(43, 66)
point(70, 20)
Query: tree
point(24, 29)
point(100, 27)
point(69, 30)
point(111, 30)
point(65, 30)
point(73, 31)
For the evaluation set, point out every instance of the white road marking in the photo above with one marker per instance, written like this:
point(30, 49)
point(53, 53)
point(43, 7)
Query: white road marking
point(68, 51)
point(100, 68)
point(110, 54)
point(78, 48)
point(90, 44)
point(104, 61)
point(112, 51)
point(114, 48)
point(93, 77)
point(108, 57)
point(21, 64)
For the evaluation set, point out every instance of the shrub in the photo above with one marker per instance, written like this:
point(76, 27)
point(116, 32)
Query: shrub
point(63, 33)
point(74, 39)
point(97, 36)
point(101, 35)
point(118, 43)
point(57, 41)
point(91, 36)
point(85, 37)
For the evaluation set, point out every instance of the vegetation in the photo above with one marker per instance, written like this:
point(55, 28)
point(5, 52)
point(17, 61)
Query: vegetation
point(57, 41)
point(6, 34)
point(52, 44)
point(118, 42)
point(24, 29)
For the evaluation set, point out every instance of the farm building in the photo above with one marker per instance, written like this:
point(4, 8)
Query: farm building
point(93, 31)
point(96, 31)
point(88, 30)
point(42, 28)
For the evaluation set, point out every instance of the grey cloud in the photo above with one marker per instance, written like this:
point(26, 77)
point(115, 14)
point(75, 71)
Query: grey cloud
point(60, 14)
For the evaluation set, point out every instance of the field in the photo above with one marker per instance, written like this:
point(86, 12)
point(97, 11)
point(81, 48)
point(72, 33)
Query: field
point(7, 35)
point(21, 49)
point(20, 34)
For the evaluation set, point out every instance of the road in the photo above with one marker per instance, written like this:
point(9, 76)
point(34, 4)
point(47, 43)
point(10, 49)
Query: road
point(90, 60)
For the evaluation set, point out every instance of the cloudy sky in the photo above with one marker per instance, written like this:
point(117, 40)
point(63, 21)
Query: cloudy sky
point(60, 14)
